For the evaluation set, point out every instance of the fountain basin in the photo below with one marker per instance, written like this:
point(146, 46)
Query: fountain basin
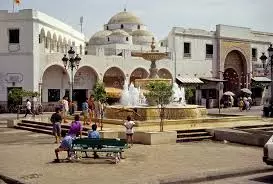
point(146, 113)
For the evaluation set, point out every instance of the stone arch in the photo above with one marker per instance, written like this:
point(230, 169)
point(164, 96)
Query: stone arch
point(85, 78)
point(138, 73)
point(42, 35)
point(55, 81)
point(235, 71)
point(65, 45)
point(48, 40)
point(164, 73)
point(114, 77)
point(54, 42)
point(59, 44)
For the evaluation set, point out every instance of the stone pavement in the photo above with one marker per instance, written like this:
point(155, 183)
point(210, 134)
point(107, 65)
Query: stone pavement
point(254, 111)
point(28, 157)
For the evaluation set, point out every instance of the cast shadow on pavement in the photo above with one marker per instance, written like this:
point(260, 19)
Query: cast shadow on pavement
point(268, 179)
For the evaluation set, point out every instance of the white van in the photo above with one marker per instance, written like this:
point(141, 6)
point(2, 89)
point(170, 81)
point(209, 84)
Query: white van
point(268, 152)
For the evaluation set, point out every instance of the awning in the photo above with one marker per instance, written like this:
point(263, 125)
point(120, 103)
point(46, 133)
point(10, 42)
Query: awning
point(113, 92)
point(261, 79)
point(189, 80)
point(211, 79)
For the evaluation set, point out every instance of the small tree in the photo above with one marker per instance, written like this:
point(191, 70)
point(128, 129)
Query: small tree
point(100, 95)
point(188, 94)
point(161, 92)
point(17, 94)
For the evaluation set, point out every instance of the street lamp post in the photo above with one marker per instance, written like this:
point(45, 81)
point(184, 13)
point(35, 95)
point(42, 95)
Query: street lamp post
point(74, 62)
point(263, 58)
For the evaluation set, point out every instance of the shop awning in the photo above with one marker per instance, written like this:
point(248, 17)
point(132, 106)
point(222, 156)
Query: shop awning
point(261, 79)
point(189, 80)
point(211, 79)
point(113, 92)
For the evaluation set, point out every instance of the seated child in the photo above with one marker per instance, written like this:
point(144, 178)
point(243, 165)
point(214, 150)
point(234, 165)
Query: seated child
point(66, 145)
point(94, 134)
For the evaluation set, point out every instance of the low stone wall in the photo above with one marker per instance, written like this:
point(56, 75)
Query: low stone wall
point(153, 112)
point(148, 138)
point(238, 136)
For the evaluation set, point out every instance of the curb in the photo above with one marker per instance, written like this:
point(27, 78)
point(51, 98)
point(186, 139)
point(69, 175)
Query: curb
point(9, 180)
point(215, 175)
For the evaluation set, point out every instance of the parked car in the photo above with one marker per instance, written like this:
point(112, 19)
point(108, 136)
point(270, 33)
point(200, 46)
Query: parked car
point(268, 152)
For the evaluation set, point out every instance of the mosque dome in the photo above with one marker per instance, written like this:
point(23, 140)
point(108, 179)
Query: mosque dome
point(99, 38)
point(125, 17)
point(119, 32)
point(142, 37)
point(142, 33)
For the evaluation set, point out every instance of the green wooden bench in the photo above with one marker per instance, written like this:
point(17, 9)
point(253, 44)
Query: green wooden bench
point(112, 146)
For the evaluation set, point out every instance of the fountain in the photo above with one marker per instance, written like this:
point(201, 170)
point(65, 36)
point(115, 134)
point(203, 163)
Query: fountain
point(133, 100)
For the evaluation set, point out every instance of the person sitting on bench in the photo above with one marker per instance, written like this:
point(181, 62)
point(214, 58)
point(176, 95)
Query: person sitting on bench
point(66, 145)
point(94, 134)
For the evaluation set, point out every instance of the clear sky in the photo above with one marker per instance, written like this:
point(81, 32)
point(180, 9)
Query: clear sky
point(159, 15)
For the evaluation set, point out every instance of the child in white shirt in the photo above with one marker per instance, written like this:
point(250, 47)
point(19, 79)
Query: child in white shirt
point(129, 124)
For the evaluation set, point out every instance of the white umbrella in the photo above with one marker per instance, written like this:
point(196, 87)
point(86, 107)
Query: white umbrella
point(245, 90)
point(229, 93)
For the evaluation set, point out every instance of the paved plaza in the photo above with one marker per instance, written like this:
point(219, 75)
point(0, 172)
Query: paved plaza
point(28, 157)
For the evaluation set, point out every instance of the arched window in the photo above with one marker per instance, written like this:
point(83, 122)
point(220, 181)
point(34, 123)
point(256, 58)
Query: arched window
point(121, 26)
point(40, 41)
point(127, 39)
point(80, 49)
point(108, 39)
point(161, 44)
point(107, 28)
point(138, 26)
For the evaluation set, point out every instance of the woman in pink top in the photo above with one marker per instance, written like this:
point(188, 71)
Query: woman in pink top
point(76, 127)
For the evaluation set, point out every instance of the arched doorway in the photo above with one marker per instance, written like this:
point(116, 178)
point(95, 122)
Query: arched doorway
point(84, 82)
point(139, 73)
point(235, 71)
point(232, 79)
point(55, 84)
point(114, 77)
point(164, 73)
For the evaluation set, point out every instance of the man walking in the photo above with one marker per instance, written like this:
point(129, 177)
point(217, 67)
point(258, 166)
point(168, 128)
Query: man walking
point(28, 108)
point(56, 120)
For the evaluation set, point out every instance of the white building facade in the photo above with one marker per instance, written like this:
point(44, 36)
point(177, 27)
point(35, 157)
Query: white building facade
point(32, 45)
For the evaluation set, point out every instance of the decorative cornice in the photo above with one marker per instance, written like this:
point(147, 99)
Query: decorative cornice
point(243, 40)
point(16, 54)
point(46, 24)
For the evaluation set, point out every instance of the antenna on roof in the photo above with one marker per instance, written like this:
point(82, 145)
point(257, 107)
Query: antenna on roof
point(81, 22)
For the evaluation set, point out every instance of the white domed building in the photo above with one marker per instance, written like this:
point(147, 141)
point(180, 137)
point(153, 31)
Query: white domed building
point(123, 31)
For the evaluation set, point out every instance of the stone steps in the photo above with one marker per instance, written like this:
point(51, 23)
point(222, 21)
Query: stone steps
point(41, 127)
point(193, 135)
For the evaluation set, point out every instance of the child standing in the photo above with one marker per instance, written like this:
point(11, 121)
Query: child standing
point(129, 124)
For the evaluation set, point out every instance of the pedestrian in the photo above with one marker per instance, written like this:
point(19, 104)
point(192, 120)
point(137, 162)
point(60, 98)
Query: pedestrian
point(232, 101)
point(85, 111)
point(241, 104)
point(247, 105)
point(129, 125)
point(94, 134)
point(65, 109)
point(75, 129)
point(66, 145)
point(91, 107)
point(98, 111)
point(56, 120)
point(28, 108)
point(250, 101)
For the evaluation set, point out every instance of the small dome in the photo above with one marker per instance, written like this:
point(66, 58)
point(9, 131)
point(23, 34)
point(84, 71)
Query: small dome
point(142, 33)
point(125, 17)
point(119, 32)
point(99, 38)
